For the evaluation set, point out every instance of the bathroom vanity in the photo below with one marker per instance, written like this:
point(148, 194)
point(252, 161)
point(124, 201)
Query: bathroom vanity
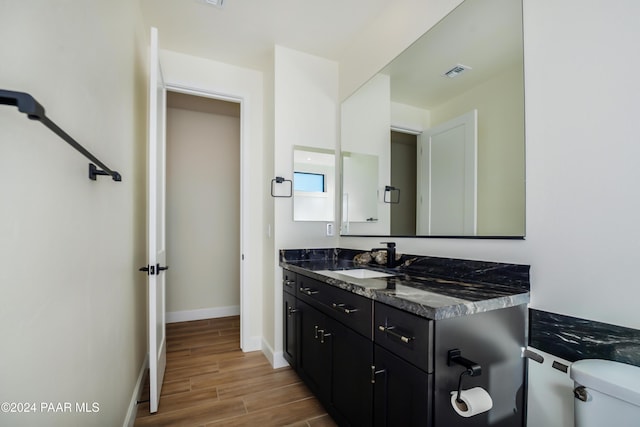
point(388, 346)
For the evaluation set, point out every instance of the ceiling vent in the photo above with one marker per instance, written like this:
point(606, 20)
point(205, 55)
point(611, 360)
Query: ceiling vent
point(456, 71)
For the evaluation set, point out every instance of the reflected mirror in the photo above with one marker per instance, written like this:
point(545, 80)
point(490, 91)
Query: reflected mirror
point(445, 120)
point(359, 194)
point(313, 184)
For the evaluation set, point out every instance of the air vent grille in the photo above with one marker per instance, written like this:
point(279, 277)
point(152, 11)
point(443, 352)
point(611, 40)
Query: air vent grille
point(456, 71)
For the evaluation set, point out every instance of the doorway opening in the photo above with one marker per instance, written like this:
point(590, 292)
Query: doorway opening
point(404, 148)
point(203, 207)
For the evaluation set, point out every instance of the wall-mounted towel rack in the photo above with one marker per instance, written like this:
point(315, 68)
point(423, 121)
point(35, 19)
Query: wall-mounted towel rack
point(280, 180)
point(28, 105)
point(389, 190)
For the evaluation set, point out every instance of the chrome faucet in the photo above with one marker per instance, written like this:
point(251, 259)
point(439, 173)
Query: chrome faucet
point(391, 253)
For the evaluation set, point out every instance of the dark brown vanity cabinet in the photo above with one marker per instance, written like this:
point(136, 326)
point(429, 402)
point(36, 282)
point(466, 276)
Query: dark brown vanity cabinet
point(290, 333)
point(401, 392)
point(290, 318)
point(373, 364)
point(334, 357)
point(403, 368)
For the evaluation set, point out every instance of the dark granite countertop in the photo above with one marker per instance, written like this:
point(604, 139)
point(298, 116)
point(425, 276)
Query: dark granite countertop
point(431, 287)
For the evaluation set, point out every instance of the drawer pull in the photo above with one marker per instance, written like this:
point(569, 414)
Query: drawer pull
point(390, 331)
point(309, 291)
point(320, 333)
point(291, 311)
point(289, 282)
point(343, 308)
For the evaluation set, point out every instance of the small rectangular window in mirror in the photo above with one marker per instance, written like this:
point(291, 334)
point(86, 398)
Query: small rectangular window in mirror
point(309, 182)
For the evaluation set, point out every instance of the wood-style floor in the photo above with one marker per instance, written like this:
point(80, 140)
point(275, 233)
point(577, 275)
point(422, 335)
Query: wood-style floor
point(210, 382)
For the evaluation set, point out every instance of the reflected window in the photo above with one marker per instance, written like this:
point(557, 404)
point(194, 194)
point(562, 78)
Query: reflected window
point(308, 182)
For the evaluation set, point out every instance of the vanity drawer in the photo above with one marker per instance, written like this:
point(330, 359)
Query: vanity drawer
point(353, 310)
point(405, 334)
point(350, 309)
point(289, 281)
point(310, 290)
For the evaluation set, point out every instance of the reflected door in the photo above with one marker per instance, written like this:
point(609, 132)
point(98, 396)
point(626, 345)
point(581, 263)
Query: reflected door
point(448, 196)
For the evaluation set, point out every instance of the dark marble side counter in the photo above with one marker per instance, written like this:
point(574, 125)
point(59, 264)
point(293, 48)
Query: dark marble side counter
point(572, 338)
point(431, 287)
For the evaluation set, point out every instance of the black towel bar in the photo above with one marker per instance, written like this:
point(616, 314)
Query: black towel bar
point(28, 105)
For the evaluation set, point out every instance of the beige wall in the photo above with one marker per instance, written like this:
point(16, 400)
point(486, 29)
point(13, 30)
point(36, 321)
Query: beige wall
point(72, 312)
point(501, 183)
point(203, 211)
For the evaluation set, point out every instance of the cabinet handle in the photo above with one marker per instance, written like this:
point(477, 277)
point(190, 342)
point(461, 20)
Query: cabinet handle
point(289, 282)
point(390, 330)
point(320, 333)
point(374, 373)
point(343, 308)
point(291, 311)
point(323, 335)
point(309, 291)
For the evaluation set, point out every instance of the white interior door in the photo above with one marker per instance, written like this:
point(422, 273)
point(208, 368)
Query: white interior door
point(448, 196)
point(156, 209)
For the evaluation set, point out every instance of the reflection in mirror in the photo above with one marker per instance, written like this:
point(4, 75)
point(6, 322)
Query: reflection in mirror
point(359, 191)
point(313, 184)
point(481, 40)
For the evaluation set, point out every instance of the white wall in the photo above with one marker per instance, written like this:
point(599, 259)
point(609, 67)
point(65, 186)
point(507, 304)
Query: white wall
point(72, 312)
point(582, 151)
point(189, 72)
point(409, 118)
point(305, 113)
point(203, 214)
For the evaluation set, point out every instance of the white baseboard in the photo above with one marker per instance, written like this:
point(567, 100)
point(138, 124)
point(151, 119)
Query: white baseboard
point(203, 313)
point(276, 358)
point(130, 418)
point(251, 344)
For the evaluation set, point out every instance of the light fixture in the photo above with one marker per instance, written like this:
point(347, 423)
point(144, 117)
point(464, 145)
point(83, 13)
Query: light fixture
point(456, 71)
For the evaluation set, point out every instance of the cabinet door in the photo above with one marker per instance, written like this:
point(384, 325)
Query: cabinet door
point(290, 322)
point(352, 388)
point(314, 362)
point(402, 392)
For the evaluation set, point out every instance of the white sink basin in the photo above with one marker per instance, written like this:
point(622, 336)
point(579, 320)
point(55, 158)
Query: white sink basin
point(363, 273)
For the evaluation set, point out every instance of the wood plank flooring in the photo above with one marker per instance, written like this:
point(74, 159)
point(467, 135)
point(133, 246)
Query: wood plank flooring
point(210, 382)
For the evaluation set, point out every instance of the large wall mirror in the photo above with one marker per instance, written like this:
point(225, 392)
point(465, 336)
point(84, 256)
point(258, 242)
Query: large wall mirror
point(445, 122)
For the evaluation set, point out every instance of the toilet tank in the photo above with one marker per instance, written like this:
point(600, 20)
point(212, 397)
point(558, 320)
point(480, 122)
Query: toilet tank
point(607, 393)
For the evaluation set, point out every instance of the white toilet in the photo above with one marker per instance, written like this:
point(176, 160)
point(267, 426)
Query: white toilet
point(606, 393)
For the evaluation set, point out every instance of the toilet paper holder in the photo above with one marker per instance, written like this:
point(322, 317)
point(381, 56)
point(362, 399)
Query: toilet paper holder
point(473, 369)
